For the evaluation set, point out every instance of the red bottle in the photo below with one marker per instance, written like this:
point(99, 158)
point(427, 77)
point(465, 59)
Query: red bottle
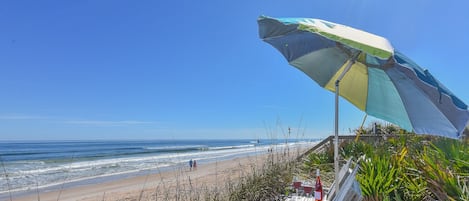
point(318, 188)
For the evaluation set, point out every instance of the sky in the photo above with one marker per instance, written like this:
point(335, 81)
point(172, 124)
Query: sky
point(121, 69)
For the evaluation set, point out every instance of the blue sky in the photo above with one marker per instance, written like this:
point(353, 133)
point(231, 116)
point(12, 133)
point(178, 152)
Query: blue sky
point(113, 69)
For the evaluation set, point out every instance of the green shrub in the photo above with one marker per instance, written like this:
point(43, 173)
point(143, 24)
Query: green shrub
point(267, 184)
point(323, 161)
point(356, 149)
point(378, 178)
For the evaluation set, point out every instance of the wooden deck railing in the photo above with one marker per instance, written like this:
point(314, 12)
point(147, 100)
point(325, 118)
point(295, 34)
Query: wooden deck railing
point(342, 138)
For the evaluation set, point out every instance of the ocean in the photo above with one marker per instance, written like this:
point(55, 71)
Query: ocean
point(41, 165)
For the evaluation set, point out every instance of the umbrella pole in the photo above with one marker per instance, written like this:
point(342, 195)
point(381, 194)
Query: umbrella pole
point(336, 139)
point(336, 124)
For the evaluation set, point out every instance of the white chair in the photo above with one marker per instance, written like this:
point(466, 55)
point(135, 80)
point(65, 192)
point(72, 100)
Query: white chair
point(343, 174)
point(350, 189)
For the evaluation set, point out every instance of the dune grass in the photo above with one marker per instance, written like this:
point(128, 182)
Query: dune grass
point(269, 179)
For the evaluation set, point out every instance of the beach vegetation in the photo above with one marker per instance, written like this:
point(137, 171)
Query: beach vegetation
point(267, 184)
point(356, 149)
point(405, 166)
point(425, 167)
point(318, 160)
point(378, 178)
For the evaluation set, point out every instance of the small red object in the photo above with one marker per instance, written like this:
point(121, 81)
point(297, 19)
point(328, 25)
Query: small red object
point(308, 190)
point(296, 184)
point(318, 193)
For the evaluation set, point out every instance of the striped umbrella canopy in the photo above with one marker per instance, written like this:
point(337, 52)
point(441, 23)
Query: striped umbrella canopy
point(373, 76)
point(365, 69)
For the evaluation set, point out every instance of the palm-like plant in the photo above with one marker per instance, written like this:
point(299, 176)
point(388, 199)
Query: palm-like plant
point(323, 161)
point(441, 164)
point(378, 178)
point(457, 153)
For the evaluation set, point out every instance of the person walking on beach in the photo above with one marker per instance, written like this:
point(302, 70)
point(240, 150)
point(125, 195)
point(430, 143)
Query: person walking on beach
point(195, 164)
point(190, 164)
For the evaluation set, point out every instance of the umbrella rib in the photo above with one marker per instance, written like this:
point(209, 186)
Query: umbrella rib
point(345, 50)
point(388, 64)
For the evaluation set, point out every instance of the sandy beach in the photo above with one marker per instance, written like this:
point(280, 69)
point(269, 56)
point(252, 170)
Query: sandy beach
point(169, 185)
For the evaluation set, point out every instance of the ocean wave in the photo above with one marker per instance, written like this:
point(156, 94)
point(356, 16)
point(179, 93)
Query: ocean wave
point(231, 147)
point(177, 148)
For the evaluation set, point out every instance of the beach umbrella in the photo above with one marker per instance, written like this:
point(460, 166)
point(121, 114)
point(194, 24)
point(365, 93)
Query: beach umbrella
point(368, 72)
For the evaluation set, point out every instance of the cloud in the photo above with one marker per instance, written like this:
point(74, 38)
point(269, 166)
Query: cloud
point(26, 117)
point(109, 123)
point(21, 117)
point(208, 133)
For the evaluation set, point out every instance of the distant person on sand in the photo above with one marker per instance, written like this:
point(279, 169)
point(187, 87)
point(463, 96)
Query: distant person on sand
point(190, 164)
point(195, 164)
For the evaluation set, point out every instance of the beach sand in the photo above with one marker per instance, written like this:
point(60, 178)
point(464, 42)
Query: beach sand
point(178, 184)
